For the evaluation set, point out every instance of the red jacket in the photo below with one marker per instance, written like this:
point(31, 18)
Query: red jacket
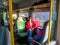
point(34, 24)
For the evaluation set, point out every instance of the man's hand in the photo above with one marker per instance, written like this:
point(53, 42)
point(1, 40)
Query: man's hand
point(32, 28)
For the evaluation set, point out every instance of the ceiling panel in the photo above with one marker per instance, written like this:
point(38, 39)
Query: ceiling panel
point(24, 3)
point(20, 1)
point(16, 1)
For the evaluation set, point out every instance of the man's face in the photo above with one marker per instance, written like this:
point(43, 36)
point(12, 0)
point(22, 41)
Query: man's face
point(31, 14)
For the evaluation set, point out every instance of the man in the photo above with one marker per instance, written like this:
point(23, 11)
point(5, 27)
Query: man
point(30, 26)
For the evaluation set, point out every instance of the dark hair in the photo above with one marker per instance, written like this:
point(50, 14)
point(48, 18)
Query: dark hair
point(31, 9)
point(1, 22)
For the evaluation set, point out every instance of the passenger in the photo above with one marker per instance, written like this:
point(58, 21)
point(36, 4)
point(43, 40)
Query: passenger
point(21, 26)
point(30, 26)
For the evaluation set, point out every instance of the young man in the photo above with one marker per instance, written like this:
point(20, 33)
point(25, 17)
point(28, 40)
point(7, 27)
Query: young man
point(30, 26)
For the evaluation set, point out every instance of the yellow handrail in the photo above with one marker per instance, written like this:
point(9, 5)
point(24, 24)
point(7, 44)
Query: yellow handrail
point(11, 24)
point(50, 19)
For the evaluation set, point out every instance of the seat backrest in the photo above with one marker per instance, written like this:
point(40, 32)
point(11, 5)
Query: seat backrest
point(45, 32)
point(45, 36)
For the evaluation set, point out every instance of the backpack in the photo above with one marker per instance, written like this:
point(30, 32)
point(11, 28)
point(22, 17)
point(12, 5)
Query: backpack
point(21, 28)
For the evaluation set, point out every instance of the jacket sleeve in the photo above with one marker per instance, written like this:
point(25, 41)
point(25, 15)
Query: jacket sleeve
point(27, 25)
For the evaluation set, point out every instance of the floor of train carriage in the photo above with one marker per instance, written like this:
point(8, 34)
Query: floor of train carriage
point(20, 41)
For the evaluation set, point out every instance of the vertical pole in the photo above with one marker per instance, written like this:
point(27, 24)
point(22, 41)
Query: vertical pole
point(11, 23)
point(50, 20)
